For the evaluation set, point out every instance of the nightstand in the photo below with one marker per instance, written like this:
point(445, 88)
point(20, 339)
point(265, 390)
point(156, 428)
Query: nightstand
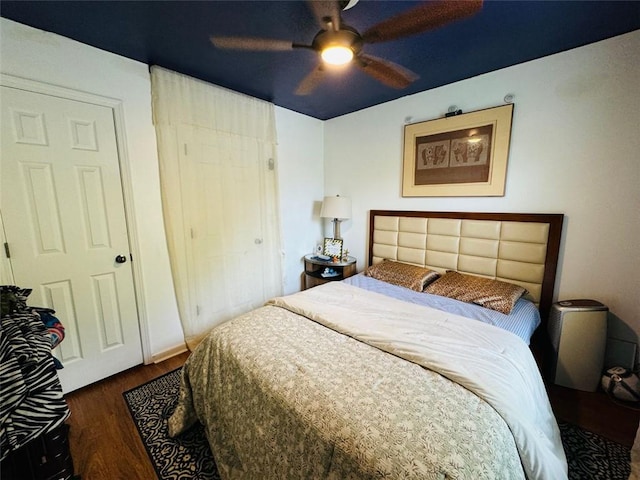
point(314, 270)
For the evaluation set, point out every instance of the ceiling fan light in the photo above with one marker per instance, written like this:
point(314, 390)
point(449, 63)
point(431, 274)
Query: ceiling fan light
point(337, 55)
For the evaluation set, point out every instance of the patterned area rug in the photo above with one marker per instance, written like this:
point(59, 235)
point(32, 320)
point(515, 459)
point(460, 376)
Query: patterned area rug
point(187, 456)
point(589, 456)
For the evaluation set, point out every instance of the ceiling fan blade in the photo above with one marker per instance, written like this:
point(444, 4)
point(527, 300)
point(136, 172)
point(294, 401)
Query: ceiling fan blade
point(248, 43)
point(389, 73)
point(311, 81)
point(424, 17)
point(324, 10)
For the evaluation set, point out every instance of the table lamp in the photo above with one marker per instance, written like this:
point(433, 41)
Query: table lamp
point(338, 208)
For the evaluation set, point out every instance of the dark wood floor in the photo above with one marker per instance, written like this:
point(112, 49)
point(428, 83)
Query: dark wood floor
point(105, 443)
point(596, 412)
point(593, 411)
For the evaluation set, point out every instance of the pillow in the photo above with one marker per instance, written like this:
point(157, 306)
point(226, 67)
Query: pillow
point(405, 275)
point(486, 292)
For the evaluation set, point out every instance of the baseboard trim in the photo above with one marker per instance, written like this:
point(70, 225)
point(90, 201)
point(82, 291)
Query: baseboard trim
point(168, 353)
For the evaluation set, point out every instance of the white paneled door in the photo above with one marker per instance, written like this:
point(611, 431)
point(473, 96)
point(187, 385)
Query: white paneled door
point(64, 218)
point(226, 233)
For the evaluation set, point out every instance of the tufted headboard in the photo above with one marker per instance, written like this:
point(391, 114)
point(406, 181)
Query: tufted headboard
point(520, 248)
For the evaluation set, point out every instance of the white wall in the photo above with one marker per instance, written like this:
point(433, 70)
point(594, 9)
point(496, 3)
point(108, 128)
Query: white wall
point(300, 174)
point(45, 57)
point(574, 150)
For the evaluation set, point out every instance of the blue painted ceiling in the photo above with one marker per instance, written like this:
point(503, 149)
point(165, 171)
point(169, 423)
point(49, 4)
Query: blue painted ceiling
point(175, 35)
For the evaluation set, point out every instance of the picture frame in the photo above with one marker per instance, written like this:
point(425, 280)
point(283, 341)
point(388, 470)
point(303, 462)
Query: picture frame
point(460, 155)
point(332, 247)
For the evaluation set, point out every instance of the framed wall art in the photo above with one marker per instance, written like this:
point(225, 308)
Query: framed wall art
point(461, 155)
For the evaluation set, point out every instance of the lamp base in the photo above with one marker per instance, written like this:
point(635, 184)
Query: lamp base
point(336, 228)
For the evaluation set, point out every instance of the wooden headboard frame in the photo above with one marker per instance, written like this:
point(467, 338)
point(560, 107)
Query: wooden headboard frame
point(520, 248)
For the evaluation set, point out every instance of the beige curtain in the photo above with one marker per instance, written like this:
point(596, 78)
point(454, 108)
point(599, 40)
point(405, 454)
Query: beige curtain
point(217, 159)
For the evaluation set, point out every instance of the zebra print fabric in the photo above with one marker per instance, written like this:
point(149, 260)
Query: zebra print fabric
point(31, 400)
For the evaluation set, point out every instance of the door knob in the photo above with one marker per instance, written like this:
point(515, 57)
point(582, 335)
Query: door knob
point(121, 259)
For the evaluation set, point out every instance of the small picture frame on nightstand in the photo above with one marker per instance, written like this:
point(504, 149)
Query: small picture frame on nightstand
point(332, 247)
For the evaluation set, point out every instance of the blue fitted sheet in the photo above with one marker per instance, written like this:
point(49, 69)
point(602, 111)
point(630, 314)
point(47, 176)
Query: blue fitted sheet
point(522, 321)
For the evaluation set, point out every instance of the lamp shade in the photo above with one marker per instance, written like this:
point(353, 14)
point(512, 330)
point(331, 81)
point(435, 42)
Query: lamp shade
point(336, 207)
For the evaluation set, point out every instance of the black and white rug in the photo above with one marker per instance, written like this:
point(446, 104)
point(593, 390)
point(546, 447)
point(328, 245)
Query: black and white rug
point(589, 456)
point(185, 457)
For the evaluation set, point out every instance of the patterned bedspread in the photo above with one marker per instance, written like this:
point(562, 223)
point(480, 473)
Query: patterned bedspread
point(284, 397)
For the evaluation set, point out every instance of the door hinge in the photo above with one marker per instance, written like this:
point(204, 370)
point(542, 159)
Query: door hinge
point(197, 310)
point(185, 149)
point(6, 250)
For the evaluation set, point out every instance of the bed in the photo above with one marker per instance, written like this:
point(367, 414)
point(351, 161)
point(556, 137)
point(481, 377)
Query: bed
point(360, 379)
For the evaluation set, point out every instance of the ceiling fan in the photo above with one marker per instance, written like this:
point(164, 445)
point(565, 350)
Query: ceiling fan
point(339, 44)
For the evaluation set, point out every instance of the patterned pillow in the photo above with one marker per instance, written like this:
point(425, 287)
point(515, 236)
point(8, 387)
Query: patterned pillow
point(402, 274)
point(486, 292)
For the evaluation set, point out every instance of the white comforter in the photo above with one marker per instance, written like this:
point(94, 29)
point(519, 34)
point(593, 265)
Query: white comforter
point(494, 364)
